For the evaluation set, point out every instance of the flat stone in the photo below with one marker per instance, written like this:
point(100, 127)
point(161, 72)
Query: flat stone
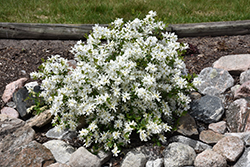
point(83, 158)
point(196, 145)
point(155, 163)
point(178, 154)
point(210, 158)
point(40, 120)
point(219, 127)
point(237, 116)
point(14, 133)
point(11, 88)
point(244, 160)
point(215, 81)
point(208, 109)
point(243, 91)
point(235, 64)
point(60, 150)
point(187, 126)
point(10, 112)
point(210, 137)
point(134, 159)
point(29, 155)
point(230, 147)
point(245, 136)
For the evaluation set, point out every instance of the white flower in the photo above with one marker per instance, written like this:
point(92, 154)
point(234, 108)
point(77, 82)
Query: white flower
point(143, 135)
point(116, 134)
point(83, 132)
point(115, 151)
point(197, 81)
point(162, 138)
point(118, 124)
point(125, 96)
point(92, 126)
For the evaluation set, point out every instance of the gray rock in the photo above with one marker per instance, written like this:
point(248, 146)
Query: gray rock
point(22, 101)
point(210, 158)
point(60, 150)
point(83, 158)
point(245, 136)
point(14, 133)
point(210, 137)
point(230, 147)
point(215, 81)
point(11, 104)
point(208, 109)
point(237, 116)
point(134, 159)
point(104, 156)
point(22, 104)
point(155, 163)
point(235, 64)
point(187, 126)
point(196, 145)
point(244, 160)
point(245, 76)
point(64, 134)
point(178, 154)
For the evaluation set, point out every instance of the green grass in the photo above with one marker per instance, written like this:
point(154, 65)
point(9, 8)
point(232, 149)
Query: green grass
point(105, 11)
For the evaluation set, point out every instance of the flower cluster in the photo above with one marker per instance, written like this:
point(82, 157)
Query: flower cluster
point(127, 83)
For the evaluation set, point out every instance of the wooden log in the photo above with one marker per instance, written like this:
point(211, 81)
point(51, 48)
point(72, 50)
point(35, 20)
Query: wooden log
point(212, 28)
point(77, 32)
point(44, 31)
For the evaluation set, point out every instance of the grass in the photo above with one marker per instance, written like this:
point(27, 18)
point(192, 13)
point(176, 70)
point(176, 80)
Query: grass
point(105, 11)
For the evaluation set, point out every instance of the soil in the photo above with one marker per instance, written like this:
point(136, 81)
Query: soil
point(18, 58)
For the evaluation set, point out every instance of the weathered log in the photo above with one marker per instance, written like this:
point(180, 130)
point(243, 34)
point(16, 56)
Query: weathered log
point(44, 31)
point(77, 31)
point(212, 28)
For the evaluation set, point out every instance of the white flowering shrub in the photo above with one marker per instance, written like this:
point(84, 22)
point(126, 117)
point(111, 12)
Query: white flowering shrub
point(126, 84)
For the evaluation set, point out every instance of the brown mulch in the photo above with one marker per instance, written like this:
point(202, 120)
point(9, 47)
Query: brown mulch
point(18, 58)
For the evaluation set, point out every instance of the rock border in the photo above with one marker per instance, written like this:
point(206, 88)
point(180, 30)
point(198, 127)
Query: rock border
point(77, 31)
